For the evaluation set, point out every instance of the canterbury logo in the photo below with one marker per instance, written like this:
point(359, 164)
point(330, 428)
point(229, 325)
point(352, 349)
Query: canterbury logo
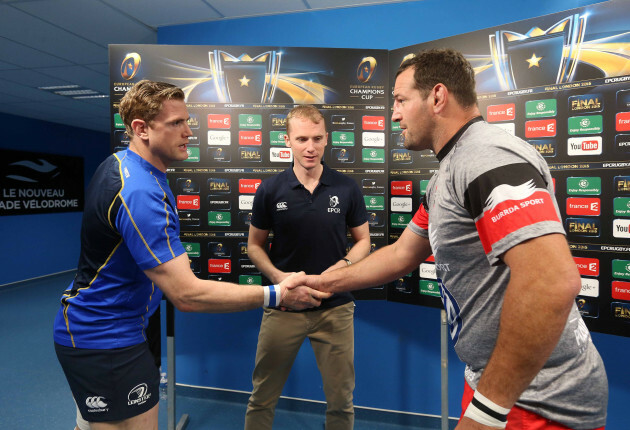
point(95, 402)
point(508, 192)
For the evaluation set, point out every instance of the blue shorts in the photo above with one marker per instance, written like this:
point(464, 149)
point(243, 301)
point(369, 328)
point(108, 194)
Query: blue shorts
point(111, 384)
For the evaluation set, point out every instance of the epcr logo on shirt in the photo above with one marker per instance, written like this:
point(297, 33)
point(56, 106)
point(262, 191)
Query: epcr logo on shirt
point(334, 202)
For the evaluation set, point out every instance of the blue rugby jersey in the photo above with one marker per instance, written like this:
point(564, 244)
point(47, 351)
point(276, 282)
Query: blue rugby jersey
point(130, 224)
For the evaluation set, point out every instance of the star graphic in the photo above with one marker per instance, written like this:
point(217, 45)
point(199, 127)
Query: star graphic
point(244, 81)
point(534, 61)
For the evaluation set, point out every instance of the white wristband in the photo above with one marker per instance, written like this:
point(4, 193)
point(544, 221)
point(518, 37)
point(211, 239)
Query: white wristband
point(486, 412)
point(271, 296)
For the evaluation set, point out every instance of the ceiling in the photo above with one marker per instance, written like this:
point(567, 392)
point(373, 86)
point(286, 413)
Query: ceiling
point(52, 44)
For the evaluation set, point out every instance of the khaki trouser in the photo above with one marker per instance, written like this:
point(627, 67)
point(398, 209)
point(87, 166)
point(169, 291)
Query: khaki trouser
point(331, 334)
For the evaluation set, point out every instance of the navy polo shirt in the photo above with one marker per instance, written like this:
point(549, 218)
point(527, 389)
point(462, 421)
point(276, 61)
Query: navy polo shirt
point(309, 230)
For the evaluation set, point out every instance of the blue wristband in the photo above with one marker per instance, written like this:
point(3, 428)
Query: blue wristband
point(273, 295)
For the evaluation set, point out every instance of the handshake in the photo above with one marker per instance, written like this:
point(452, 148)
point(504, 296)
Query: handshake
point(299, 291)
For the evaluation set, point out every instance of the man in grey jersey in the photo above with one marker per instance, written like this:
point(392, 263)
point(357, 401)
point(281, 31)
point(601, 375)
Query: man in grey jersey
point(507, 279)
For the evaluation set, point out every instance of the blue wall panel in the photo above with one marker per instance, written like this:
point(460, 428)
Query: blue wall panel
point(37, 245)
point(397, 346)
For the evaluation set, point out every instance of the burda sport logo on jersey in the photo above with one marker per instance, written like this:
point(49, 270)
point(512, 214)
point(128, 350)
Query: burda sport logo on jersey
point(138, 395)
point(188, 202)
point(511, 207)
point(216, 120)
point(584, 145)
point(505, 112)
point(540, 128)
point(248, 186)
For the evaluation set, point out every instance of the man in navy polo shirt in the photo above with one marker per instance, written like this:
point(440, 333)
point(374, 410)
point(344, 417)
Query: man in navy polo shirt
point(309, 207)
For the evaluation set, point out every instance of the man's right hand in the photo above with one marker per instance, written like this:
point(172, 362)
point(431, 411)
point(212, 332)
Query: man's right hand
point(299, 297)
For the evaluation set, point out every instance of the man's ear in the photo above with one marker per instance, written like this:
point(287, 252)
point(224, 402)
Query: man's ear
point(440, 97)
point(140, 128)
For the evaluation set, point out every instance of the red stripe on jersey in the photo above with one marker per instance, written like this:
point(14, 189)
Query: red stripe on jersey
point(421, 218)
point(511, 215)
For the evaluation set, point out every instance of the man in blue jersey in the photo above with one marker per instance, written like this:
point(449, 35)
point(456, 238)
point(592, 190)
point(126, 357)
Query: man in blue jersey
point(507, 279)
point(130, 255)
point(310, 208)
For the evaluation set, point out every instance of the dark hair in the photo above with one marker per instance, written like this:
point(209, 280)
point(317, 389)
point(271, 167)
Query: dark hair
point(144, 101)
point(306, 112)
point(445, 66)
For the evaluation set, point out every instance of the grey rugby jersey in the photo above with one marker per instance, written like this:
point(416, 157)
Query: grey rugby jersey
point(492, 192)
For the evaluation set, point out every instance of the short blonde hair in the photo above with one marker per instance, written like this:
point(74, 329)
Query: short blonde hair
point(144, 101)
point(309, 112)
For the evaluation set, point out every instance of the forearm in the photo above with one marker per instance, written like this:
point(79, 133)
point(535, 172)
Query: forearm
point(527, 336)
point(261, 260)
point(359, 250)
point(537, 302)
point(378, 268)
point(216, 297)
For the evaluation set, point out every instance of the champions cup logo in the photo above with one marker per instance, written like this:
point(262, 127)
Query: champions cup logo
point(539, 57)
point(130, 65)
point(245, 79)
point(366, 69)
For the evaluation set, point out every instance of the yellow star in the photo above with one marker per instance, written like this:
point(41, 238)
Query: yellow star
point(244, 81)
point(534, 61)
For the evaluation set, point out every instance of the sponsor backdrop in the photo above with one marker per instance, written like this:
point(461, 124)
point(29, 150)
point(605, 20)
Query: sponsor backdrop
point(36, 183)
point(560, 82)
point(238, 99)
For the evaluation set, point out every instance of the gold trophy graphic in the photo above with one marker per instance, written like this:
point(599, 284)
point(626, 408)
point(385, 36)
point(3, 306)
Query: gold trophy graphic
point(245, 79)
point(539, 57)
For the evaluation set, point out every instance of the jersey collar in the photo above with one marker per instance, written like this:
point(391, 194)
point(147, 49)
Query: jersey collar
point(449, 145)
point(325, 178)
